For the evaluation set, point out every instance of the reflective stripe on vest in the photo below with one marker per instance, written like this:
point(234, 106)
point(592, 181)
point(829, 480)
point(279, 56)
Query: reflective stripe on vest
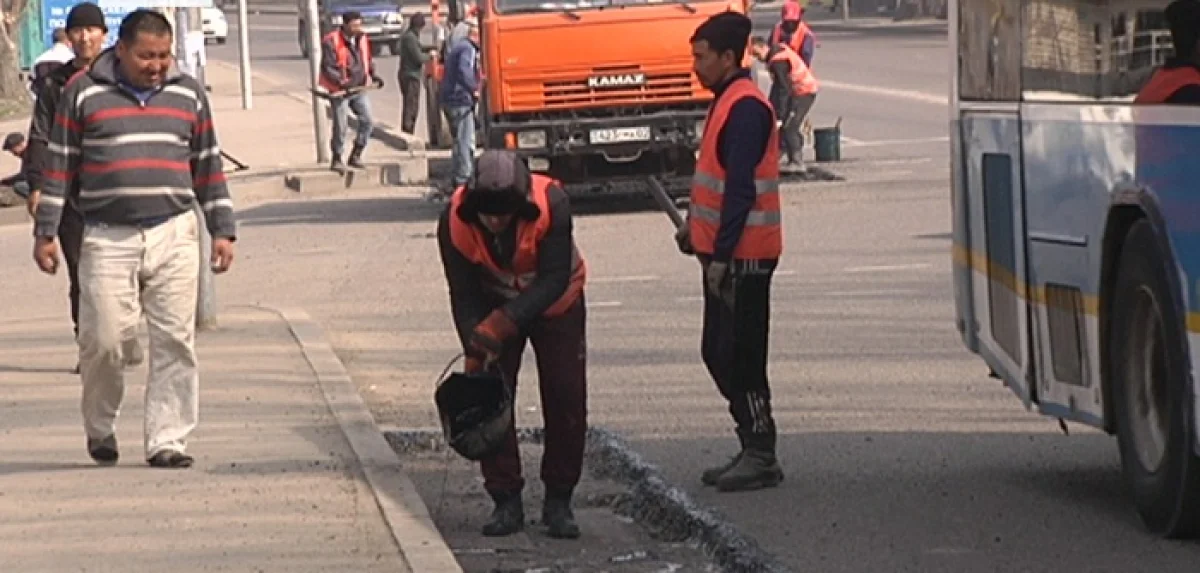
point(803, 80)
point(762, 237)
point(1165, 82)
point(343, 59)
point(470, 241)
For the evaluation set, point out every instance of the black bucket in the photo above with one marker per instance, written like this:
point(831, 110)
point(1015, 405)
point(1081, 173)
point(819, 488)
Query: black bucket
point(827, 142)
point(476, 411)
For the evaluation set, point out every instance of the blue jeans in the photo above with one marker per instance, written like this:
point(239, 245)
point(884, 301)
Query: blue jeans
point(462, 155)
point(361, 106)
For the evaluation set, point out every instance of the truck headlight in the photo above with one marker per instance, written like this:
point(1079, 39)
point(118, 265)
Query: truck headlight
point(393, 18)
point(531, 139)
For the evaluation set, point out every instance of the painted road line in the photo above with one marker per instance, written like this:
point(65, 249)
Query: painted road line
point(889, 142)
point(625, 279)
point(911, 95)
point(604, 304)
point(886, 268)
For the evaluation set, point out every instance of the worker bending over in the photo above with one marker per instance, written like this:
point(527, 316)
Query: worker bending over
point(734, 227)
point(793, 92)
point(515, 273)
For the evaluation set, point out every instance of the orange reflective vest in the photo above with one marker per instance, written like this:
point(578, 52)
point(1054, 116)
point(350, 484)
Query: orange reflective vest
point(342, 50)
point(510, 283)
point(1165, 82)
point(762, 237)
point(797, 43)
point(803, 80)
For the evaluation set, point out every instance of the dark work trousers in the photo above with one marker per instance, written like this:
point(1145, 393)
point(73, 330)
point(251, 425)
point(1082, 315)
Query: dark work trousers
point(793, 120)
point(70, 239)
point(734, 348)
point(560, 345)
point(410, 89)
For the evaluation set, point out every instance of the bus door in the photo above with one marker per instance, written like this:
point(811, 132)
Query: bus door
point(991, 139)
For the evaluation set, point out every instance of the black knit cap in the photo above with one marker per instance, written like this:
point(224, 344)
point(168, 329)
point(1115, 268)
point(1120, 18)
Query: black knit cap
point(1183, 18)
point(13, 140)
point(86, 15)
point(500, 186)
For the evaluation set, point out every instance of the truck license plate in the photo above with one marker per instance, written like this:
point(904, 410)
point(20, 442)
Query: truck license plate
point(620, 134)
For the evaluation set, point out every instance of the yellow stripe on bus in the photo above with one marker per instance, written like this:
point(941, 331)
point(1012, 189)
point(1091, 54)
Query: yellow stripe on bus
point(979, 262)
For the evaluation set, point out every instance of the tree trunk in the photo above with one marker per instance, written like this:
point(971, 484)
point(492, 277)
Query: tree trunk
point(11, 86)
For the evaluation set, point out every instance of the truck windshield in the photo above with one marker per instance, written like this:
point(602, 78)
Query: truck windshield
point(528, 6)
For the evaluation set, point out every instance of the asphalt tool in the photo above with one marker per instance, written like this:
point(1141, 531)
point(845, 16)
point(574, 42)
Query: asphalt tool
point(334, 96)
point(665, 203)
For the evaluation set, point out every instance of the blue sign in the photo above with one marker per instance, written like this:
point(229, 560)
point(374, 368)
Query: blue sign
point(54, 14)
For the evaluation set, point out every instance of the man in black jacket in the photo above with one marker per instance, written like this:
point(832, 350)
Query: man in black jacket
point(85, 30)
point(412, 71)
point(514, 274)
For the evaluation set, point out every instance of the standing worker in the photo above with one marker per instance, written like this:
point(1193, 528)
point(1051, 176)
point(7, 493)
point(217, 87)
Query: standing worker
point(86, 31)
point(734, 227)
point(412, 70)
point(346, 65)
point(459, 93)
point(793, 31)
point(134, 146)
point(793, 92)
point(515, 273)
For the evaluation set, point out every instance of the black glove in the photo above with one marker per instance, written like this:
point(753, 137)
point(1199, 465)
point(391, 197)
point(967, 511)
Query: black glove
point(378, 81)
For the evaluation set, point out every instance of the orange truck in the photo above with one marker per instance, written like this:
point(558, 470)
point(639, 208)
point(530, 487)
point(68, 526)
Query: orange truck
point(593, 93)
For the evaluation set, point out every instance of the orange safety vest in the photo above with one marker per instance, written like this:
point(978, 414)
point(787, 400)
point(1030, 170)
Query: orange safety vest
point(469, 241)
point(343, 58)
point(797, 43)
point(762, 237)
point(1165, 82)
point(803, 80)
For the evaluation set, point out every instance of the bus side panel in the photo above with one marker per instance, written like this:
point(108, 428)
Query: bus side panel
point(1074, 157)
point(964, 313)
point(996, 241)
point(1168, 171)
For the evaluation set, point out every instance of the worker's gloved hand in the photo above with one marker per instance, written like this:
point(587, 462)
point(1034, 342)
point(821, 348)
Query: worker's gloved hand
point(472, 365)
point(714, 277)
point(488, 338)
point(378, 81)
point(683, 238)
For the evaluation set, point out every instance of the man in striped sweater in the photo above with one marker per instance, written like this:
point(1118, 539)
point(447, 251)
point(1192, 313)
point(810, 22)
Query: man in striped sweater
point(133, 147)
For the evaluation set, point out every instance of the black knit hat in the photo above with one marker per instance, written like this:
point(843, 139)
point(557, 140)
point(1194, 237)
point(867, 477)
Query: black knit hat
point(13, 140)
point(86, 15)
point(499, 186)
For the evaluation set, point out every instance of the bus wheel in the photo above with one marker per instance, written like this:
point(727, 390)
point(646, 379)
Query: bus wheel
point(1152, 398)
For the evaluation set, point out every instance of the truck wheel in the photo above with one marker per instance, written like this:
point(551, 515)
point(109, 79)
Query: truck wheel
point(1152, 394)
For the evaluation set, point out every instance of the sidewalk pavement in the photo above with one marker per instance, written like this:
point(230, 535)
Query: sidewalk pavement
point(278, 484)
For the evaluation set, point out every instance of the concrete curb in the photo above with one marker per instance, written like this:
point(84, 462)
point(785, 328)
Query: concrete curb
point(418, 539)
point(651, 500)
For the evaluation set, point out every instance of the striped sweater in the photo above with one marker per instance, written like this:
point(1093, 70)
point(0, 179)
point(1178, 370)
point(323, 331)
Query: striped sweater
point(125, 161)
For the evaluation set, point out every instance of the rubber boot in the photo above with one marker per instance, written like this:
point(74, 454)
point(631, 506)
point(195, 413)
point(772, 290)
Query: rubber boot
point(557, 515)
point(711, 475)
point(508, 517)
point(355, 158)
point(755, 469)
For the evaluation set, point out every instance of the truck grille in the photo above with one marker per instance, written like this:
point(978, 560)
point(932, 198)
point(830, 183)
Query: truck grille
point(567, 90)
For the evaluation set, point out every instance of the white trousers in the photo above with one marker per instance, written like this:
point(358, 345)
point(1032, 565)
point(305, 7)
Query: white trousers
point(123, 273)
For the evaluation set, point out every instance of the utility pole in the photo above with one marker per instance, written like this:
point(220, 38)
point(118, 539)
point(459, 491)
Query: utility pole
point(244, 55)
point(845, 10)
point(314, 71)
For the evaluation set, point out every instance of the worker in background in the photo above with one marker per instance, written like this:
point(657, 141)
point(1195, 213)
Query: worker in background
point(734, 228)
point(86, 31)
point(347, 68)
point(15, 145)
point(793, 31)
point(1178, 80)
point(459, 94)
point(514, 274)
point(57, 55)
point(412, 71)
point(793, 91)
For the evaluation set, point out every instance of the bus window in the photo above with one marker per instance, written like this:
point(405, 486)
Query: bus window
point(1091, 50)
point(989, 49)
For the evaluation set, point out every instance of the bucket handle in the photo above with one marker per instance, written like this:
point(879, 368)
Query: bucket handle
point(838, 124)
point(442, 377)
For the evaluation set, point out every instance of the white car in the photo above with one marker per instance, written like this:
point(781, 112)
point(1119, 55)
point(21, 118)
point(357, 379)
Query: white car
point(215, 26)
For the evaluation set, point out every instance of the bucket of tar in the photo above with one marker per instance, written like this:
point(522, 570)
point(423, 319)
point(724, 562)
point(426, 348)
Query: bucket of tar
point(476, 411)
point(827, 142)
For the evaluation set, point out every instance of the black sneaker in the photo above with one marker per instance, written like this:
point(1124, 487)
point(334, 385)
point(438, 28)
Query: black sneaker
point(103, 450)
point(170, 459)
